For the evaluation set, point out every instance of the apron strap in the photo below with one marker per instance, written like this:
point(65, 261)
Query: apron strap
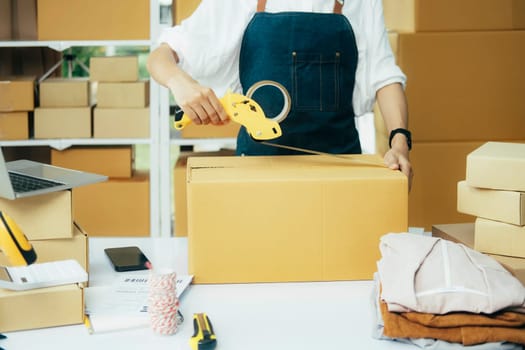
point(338, 6)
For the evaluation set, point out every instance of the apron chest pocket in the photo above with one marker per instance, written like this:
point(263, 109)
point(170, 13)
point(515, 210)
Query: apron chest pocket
point(315, 81)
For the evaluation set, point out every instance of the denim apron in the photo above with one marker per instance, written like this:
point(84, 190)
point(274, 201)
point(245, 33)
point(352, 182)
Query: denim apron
point(314, 56)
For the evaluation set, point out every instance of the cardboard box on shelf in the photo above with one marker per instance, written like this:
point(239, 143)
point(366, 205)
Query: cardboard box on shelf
point(438, 166)
point(112, 161)
point(46, 216)
point(505, 206)
point(40, 308)
point(123, 95)
point(114, 68)
point(117, 207)
point(193, 131)
point(451, 15)
point(290, 218)
point(62, 92)
point(93, 20)
point(17, 94)
point(48, 250)
point(65, 122)
point(179, 177)
point(464, 233)
point(5, 20)
point(14, 126)
point(495, 165)
point(121, 123)
point(23, 20)
point(454, 84)
point(499, 238)
point(182, 9)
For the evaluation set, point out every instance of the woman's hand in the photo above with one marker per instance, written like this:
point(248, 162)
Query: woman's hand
point(396, 158)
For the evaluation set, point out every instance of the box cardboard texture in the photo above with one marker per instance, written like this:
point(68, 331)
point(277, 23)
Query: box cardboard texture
point(40, 308)
point(290, 218)
point(5, 19)
point(497, 165)
point(114, 68)
point(180, 194)
point(464, 233)
point(59, 92)
point(24, 20)
point(117, 207)
point(114, 162)
point(504, 206)
point(453, 15)
point(14, 126)
point(457, 91)
point(123, 95)
point(65, 122)
point(48, 250)
point(500, 238)
point(93, 20)
point(121, 123)
point(17, 94)
point(46, 216)
point(433, 197)
point(182, 9)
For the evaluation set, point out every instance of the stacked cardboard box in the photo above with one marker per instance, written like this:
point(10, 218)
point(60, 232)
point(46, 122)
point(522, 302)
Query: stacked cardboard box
point(18, 20)
point(65, 109)
point(16, 102)
point(462, 60)
point(47, 222)
point(494, 192)
point(122, 99)
point(116, 207)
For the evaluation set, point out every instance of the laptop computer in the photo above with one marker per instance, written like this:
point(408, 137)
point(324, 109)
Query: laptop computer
point(25, 178)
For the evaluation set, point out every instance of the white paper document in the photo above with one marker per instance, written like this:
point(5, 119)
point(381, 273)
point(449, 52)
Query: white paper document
point(124, 305)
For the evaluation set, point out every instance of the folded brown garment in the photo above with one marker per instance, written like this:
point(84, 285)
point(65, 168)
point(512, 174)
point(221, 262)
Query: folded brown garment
point(464, 328)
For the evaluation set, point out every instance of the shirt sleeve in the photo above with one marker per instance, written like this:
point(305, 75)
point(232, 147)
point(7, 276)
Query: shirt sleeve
point(208, 42)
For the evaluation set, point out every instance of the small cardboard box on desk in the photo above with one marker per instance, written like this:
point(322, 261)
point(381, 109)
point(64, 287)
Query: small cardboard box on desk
point(290, 218)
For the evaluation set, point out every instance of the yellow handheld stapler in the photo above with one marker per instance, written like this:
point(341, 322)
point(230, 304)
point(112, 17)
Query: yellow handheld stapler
point(203, 337)
point(14, 243)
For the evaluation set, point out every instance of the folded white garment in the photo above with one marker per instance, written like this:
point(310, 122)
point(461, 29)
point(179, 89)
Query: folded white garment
point(433, 275)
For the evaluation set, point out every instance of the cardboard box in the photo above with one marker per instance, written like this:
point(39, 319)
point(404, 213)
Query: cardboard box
point(182, 9)
point(458, 92)
point(123, 95)
point(505, 206)
point(40, 308)
point(61, 92)
point(438, 166)
point(290, 218)
point(5, 19)
point(17, 94)
point(451, 15)
point(114, 161)
point(46, 216)
point(121, 123)
point(14, 126)
point(93, 20)
point(179, 180)
point(497, 165)
point(24, 22)
point(114, 68)
point(66, 122)
point(499, 238)
point(117, 207)
point(193, 131)
point(464, 234)
point(48, 250)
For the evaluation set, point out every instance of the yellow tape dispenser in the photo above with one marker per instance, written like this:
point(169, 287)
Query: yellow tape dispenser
point(203, 337)
point(14, 243)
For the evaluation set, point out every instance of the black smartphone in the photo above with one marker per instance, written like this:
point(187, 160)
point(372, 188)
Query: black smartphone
point(127, 258)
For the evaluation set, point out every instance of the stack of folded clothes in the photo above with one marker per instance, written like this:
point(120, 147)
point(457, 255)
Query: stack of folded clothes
point(438, 294)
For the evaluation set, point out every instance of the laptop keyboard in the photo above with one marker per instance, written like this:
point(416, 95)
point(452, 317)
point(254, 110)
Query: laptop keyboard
point(25, 183)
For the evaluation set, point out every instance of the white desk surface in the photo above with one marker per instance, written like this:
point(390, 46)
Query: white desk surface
point(270, 316)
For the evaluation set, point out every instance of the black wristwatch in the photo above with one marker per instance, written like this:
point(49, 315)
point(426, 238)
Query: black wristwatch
point(405, 132)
